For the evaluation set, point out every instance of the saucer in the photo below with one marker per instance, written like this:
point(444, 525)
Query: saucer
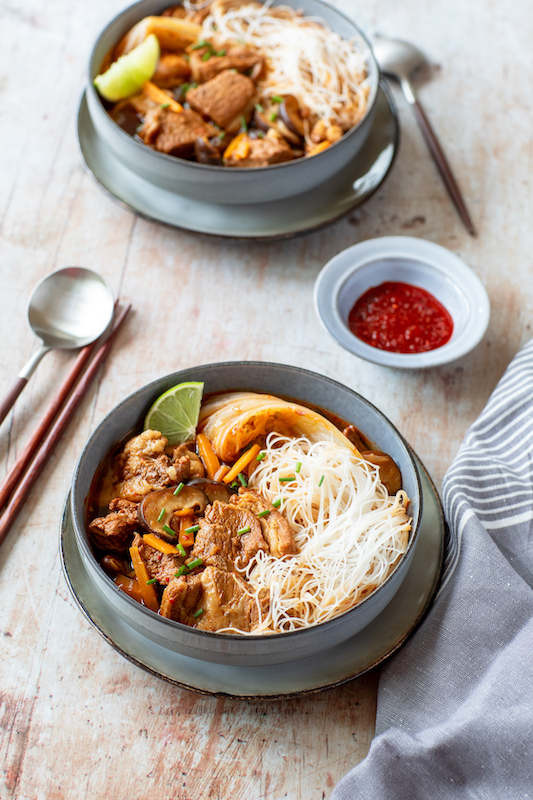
point(346, 661)
point(339, 196)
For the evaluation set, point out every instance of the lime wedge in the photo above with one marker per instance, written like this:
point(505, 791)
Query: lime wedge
point(126, 76)
point(175, 413)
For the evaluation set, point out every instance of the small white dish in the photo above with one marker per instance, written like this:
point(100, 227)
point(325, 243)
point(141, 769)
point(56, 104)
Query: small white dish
point(403, 259)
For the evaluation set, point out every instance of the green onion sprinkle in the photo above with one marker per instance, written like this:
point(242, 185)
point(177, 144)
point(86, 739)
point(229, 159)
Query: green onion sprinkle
point(196, 563)
point(161, 514)
point(298, 467)
point(264, 513)
point(247, 529)
point(192, 529)
point(178, 488)
point(151, 581)
point(321, 481)
point(198, 613)
point(169, 531)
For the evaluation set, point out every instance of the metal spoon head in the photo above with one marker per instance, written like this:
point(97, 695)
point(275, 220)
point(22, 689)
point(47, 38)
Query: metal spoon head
point(70, 308)
point(396, 57)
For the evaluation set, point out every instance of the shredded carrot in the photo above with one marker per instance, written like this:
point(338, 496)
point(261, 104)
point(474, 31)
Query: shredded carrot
point(318, 148)
point(238, 147)
point(184, 512)
point(159, 544)
point(219, 474)
point(208, 455)
point(186, 539)
point(129, 586)
point(159, 96)
point(241, 463)
point(146, 589)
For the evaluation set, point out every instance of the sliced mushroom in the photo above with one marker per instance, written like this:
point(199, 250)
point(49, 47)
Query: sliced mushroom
point(214, 490)
point(291, 115)
point(156, 510)
point(207, 153)
point(260, 121)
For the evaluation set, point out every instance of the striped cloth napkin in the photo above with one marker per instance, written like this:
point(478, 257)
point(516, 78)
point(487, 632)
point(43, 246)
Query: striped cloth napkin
point(455, 705)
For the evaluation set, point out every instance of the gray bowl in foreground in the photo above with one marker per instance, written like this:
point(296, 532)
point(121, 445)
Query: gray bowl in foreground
point(277, 379)
point(224, 184)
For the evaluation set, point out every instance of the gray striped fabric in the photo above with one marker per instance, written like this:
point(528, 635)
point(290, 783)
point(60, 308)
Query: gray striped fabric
point(455, 705)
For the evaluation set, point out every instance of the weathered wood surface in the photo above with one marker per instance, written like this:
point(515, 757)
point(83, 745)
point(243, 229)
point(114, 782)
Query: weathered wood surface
point(77, 721)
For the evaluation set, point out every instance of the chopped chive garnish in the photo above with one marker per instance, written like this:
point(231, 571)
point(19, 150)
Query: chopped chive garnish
point(277, 503)
point(277, 99)
point(196, 563)
point(234, 485)
point(151, 581)
point(197, 613)
point(201, 43)
point(186, 57)
point(247, 529)
point(259, 107)
point(193, 86)
point(260, 135)
point(264, 513)
point(321, 481)
point(192, 529)
point(182, 569)
point(287, 480)
point(244, 126)
point(273, 117)
point(166, 105)
point(161, 514)
point(178, 488)
point(260, 456)
point(206, 56)
point(298, 466)
point(169, 530)
point(222, 53)
point(242, 479)
point(181, 550)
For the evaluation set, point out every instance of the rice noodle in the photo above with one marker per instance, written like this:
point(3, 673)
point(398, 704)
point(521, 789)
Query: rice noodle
point(305, 58)
point(350, 532)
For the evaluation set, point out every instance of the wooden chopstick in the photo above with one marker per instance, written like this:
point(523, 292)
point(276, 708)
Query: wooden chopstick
point(13, 476)
point(56, 430)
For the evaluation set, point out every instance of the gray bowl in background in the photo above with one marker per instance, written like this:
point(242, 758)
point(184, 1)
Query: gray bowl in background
point(228, 185)
point(301, 385)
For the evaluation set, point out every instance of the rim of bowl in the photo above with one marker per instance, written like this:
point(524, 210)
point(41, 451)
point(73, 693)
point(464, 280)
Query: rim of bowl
point(83, 540)
point(431, 258)
point(374, 90)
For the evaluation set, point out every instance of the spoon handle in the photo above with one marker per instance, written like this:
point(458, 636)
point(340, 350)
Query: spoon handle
point(9, 400)
point(439, 157)
point(23, 377)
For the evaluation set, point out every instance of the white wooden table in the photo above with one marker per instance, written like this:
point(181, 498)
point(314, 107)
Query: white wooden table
point(76, 720)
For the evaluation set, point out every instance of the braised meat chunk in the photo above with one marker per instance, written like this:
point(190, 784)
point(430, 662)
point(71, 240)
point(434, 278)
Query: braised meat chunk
point(174, 132)
point(275, 528)
point(171, 71)
point(181, 599)
point(272, 149)
point(162, 566)
point(226, 601)
point(225, 99)
point(221, 543)
point(185, 464)
point(142, 466)
point(113, 532)
point(236, 57)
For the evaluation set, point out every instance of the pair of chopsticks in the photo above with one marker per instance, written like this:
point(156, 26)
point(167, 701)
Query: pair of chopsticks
point(31, 462)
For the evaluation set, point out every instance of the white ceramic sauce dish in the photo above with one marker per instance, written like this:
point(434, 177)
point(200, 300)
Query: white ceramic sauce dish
point(277, 379)
point(227, 185)
point(403, 259)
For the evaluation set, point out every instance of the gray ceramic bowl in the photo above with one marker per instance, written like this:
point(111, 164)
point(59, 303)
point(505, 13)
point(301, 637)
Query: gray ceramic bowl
point(223, 184)
point(277, 379)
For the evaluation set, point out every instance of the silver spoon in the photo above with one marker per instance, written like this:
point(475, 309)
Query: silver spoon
point(399, 60)
point(68, 309)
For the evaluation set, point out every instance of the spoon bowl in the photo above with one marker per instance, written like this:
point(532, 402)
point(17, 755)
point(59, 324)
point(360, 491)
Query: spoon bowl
point(398, 58)
point(70, 308)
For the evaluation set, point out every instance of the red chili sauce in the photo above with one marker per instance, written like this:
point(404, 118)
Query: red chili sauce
point(400, 318)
